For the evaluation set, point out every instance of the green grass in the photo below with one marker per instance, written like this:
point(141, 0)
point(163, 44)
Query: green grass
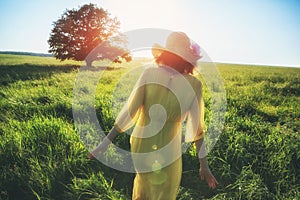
point(42, 156)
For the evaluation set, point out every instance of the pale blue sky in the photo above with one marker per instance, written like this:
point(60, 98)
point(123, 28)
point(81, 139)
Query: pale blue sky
point(237, 31)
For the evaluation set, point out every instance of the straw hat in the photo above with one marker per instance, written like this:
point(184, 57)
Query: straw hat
point(179, 44)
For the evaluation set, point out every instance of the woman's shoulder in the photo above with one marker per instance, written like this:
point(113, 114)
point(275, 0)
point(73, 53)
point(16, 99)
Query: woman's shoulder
point(194, 80)
point(153, 70)
point(156, 71)
point(150, 69)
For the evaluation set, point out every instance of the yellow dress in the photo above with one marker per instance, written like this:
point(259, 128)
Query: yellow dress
point(161, 101)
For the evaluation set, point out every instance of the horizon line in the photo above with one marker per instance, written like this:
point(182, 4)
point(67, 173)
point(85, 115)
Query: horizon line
point(31, 53)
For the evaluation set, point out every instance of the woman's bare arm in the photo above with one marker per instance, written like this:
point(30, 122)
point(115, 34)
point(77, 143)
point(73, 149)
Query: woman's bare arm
point(105, 143)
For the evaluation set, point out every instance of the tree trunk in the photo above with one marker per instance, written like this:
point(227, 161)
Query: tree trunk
point(88, 62)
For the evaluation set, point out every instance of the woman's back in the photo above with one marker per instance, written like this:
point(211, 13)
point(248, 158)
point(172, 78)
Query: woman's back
point(171, 91)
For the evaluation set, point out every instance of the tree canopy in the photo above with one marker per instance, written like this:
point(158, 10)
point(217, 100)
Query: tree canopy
point(89, 34)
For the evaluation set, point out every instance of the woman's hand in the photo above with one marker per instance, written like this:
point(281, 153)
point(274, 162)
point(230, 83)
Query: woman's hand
point(90, 156)
point(206, 174)
point(100, 149)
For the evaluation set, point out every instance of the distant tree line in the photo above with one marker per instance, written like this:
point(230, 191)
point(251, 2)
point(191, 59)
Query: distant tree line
point(26, 53)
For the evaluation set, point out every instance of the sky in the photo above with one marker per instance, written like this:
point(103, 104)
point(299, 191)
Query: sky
point(265, 32)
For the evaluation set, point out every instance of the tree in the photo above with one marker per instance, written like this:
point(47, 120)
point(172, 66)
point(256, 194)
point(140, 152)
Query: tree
point(89, 34)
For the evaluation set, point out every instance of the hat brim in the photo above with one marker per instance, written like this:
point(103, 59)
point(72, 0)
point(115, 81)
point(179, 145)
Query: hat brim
point(157, 50)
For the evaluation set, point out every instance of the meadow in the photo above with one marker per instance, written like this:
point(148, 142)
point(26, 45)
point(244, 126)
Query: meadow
point(43, 157)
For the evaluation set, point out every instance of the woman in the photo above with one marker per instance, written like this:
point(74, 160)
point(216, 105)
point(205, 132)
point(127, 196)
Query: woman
point(164, 97)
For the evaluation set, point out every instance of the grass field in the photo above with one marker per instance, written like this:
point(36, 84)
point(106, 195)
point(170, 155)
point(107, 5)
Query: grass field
point(42, 156)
